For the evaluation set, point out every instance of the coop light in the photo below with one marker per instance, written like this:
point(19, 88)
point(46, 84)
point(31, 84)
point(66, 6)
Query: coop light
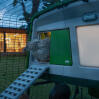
point(88, 44)
point(90, 17)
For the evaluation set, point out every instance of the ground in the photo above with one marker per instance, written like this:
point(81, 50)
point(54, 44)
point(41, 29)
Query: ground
point(13, 66)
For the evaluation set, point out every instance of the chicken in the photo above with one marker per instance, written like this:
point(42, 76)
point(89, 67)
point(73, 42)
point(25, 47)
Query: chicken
point(39, 49)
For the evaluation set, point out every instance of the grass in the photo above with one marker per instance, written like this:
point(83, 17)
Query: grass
point(40, 91)
point(12, 66)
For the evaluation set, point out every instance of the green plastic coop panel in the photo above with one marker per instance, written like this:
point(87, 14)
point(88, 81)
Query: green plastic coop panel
point(60, 48)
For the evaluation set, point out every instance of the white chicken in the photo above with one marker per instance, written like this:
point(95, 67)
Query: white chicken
point(39, 49)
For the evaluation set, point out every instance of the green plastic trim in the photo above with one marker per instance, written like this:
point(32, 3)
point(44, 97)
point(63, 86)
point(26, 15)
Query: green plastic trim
point(60, 48)
point(27, 59)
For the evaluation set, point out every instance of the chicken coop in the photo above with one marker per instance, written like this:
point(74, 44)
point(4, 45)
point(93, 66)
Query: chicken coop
point(72, 27)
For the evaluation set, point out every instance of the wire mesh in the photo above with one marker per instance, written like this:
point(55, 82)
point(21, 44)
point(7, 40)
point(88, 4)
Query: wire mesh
point(13, 39)
point(11, 66)
point(12, 60)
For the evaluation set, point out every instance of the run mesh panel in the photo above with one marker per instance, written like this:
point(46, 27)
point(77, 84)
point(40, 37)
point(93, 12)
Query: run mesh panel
point(10, 68)
point(13, 60)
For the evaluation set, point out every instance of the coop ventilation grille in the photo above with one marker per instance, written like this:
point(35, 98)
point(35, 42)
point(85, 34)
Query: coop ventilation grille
point(23, 82)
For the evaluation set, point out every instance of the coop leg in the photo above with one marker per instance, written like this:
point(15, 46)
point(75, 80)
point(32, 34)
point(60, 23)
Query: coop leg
point(81, 93)
point(76, 92)
point(60, 91)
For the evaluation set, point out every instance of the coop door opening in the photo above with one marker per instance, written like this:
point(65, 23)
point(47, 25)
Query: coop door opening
point(45, 35)
point(60, 48)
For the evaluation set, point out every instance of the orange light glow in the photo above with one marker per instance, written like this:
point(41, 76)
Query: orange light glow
point(1, 42)
point(44, 35)
point(15, 42)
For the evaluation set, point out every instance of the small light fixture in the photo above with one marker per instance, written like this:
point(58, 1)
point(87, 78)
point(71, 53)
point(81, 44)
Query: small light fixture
point(90, 17)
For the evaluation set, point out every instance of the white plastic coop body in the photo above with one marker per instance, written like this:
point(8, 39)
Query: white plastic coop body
point(74, 36)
